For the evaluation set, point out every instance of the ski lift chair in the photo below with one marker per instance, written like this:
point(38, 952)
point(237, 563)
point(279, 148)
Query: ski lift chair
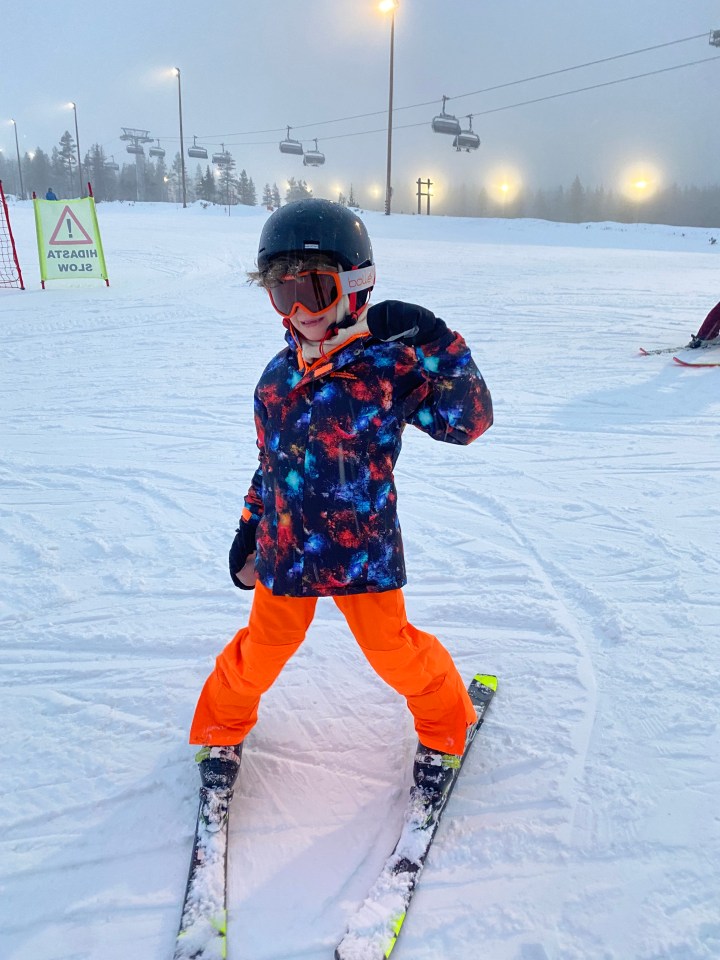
point(467, 140)
point(157, 151)
point(111, 165)
point(314, 158)
point(195, 151)
point(135, 148)
point(446, 122)
point(221, 159)
point(288, 145)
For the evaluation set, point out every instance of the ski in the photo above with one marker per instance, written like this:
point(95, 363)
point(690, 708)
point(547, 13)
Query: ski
point(700, 345)
point(653, 353)
point(374, 929)
point(203, 926)
point(691, 363)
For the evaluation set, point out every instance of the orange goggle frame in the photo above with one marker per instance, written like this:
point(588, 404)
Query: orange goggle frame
point(318, 290)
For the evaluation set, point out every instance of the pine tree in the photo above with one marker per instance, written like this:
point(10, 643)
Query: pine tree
point(277, 202)
point(68, 159)
point(246, 190)
point(37, 172)
point(267, 197)
point(127, 182)
point(352, 202)
point(205, 188)
point(297, 190)
point(174, 184)
point(104, 181)
point(155, 172)
point(576, 202)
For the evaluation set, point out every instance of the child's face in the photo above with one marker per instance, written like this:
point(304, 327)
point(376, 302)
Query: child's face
point(311, 327)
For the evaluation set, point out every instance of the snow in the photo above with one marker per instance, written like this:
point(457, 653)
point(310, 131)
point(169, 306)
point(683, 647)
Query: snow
point(572, 551)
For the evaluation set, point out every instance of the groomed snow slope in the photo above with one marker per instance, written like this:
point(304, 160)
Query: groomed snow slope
point(573, 551)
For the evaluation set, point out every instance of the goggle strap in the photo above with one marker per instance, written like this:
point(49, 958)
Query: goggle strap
point(353, 281)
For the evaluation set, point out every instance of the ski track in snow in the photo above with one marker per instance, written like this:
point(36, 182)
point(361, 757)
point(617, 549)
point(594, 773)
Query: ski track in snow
point(572, 551)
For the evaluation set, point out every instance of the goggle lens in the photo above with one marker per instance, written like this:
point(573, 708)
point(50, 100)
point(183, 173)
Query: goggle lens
point(313, 290)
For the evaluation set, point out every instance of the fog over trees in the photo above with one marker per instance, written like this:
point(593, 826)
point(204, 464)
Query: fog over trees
point(148, 178)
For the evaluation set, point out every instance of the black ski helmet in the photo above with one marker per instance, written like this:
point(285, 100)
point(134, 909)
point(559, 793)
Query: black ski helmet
point(315, 226)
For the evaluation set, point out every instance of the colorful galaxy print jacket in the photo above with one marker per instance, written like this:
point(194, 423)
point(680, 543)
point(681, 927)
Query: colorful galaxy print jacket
point(329, 436)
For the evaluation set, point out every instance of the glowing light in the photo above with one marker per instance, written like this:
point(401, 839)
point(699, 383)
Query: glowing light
point(503, 185)
point(386, 6)
point(640, 182)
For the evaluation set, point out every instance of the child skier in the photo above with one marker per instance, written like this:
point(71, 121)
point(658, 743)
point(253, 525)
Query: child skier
point(319, 519)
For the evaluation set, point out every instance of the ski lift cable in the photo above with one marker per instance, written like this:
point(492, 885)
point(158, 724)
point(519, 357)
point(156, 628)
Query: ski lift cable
point(481, 113)
point(473, 93)
point(590, 63)
point(524, 103)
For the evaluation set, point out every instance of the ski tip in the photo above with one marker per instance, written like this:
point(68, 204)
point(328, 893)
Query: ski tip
point(486, 680)
point(643, 352)
point(686, 363)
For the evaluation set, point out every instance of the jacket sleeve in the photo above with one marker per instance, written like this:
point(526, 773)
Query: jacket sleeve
point(253, 506)
point(452, 403)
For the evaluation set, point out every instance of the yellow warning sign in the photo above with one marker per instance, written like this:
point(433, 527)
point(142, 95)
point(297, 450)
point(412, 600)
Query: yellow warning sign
point(69, 244)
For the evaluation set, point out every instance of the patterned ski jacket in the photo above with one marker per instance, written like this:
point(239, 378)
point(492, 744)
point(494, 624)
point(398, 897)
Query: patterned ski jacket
point(329, 436)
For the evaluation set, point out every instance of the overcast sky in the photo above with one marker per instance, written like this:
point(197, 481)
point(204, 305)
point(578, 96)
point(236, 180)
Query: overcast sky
point(257, 66)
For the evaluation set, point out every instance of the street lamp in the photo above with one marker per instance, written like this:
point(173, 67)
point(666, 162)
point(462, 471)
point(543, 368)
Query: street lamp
point(17, 150)
point(389, 6)
point(77, 145)
point(182, 145)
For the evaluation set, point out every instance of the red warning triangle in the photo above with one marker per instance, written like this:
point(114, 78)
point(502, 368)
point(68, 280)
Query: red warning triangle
point(69, 231)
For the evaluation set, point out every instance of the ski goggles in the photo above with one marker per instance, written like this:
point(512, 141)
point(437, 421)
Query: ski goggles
point(318, 290)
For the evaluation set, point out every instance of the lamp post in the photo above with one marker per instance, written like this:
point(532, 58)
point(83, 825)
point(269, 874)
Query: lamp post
point(17, 150)
point(390, 6)
point(182, 144)
point(77, 145)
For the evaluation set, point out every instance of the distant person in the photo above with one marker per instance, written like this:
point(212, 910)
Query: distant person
point(50, 195)
point(709, 330)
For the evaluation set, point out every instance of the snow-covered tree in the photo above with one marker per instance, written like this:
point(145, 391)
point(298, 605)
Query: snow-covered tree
point(297, 190)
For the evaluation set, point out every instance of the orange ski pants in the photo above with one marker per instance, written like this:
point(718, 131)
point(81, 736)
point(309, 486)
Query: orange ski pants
point(414, 663)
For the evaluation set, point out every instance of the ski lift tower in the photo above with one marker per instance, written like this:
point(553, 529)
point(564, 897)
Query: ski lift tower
point(135, 140)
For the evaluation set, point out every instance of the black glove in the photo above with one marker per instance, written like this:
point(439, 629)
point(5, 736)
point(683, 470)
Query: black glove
point(395, 320)
point(242, 546)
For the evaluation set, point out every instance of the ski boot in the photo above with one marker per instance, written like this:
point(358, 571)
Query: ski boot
point(434, 771)
point(219, 766)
